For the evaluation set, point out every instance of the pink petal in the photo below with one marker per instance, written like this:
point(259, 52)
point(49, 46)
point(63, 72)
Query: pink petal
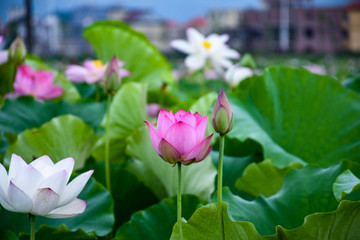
point(89, 65)
point(73, 208)
point(16, 163)
point(50, 92)
point(18, 199)
point(76, 73)
point(4, 56)
point(74, 188)
point(94, 75)
point(201, 128)
point(186, 117)
point(124, 73)
point(154, 137)
point(164, 123)
point(181, 136)
point(168, 152)
point(200, 151)
point(45, 200)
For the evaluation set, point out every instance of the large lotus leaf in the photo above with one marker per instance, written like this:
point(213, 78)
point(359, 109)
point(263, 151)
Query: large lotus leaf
point(141, 58)
point(127, 114)
point(156, 222)
point(344, 224)
point(353, 83)
point(60, 233)
point(233, 168)
point(305, 191)
point(298, 116)
point(23, 113)
point(204, 225)
point(345, 184)
point(197, 178)
point(70, 91)
point(7, 235)
point(263, 178)
point(129, 194)
point(98, 217)
point(91, 113)
point(62, 137)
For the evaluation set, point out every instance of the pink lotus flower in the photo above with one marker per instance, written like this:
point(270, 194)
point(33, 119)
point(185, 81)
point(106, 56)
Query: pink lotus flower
point(36, 83)
point(180, 137)
point(92, 71)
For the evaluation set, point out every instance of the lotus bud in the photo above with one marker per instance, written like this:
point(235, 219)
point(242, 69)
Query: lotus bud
point(112, 77)
point(222, 115)
point(17, 51)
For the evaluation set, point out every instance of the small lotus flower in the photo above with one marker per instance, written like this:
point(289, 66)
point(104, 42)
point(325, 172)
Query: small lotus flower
point(236, 74)
point(36, 83)
point(180, 137)
point(92, 71)
point(153, 109)
point(222, 115)
point(314, 68)
point(17, 51)
point(201, 49)
point(3, 53)
point(40, 188)
point(114, 74)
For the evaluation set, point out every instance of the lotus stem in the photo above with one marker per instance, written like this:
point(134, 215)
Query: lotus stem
point(107, 145)
point(219, 188)
point(179, 202)
point(33, 227)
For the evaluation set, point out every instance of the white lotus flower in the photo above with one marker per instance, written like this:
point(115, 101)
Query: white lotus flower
point(236, 74)
point(203, 49)
point(40, 188)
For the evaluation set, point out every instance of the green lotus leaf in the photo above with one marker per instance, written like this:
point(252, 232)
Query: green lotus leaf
point(345, 184)
point(263, 178)
point(298, 116)
point(142, 59)
point(127, 114)
point(62, 137)
point(305, 191)
point(156, 222)
point(60, 233)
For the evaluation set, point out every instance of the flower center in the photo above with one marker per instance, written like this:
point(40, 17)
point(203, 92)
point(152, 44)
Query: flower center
point(207, 44)
point(98, 64)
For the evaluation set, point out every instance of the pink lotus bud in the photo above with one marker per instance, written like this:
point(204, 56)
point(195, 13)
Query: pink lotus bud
point(17, 51)
point(180, 137)
point(222, 115)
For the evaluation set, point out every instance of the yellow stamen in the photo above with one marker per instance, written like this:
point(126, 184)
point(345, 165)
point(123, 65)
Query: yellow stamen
point(98, 64)
point(207, 44)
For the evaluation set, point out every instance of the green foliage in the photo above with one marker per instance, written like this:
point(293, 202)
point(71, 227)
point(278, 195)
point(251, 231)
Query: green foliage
point(156, 222)
point(290, 112)
point(263, 178)
point(62, 137)
point(345, 184)
point(141, 58)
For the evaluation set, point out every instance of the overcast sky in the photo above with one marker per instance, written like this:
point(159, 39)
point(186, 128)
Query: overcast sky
point(178, 10)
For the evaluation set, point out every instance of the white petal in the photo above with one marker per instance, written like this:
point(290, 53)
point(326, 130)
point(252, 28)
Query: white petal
point(4, 56)
point(195, 62)
point(28, 179)
point(18, 199)
point(74, 208)
point(74, 188)
point(195, 38)
point(42, 164)
point(182, 46)
point(56, 182)
point(4, 180)
point(66, 164)
point(230, 53)
point(16, 163)
point(44, 201)
point(241, 74)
